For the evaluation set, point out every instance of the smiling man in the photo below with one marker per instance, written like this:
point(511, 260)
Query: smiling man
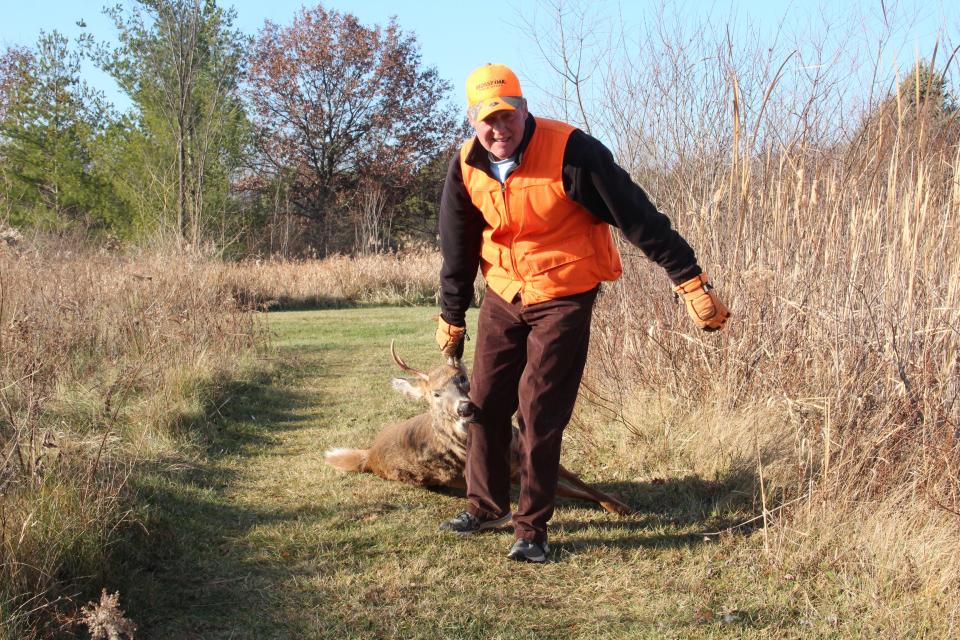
point(531, 201)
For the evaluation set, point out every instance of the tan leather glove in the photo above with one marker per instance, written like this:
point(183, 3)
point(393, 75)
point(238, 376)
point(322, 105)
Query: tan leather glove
point(703, 306)
point(450, 338)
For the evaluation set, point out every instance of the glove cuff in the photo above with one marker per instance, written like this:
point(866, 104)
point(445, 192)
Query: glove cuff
point(694, 285)
point(448, 329)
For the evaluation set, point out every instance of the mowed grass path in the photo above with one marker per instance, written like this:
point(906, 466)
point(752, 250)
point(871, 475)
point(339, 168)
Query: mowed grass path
point(259, 538)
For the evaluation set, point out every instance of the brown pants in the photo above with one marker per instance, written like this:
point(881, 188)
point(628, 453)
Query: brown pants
point(528, 360)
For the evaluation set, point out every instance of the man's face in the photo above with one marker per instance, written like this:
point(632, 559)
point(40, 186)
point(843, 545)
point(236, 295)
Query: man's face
point(500, 133)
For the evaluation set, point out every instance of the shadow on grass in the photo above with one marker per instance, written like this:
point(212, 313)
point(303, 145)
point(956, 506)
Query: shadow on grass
point(670, 513)
point(690, 504)
point(241, 415)
point(320, 302)
point(193, 566)
point(291, 303)
point(184, 566)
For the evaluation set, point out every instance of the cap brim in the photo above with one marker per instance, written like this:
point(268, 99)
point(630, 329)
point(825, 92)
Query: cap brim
point(481, 110)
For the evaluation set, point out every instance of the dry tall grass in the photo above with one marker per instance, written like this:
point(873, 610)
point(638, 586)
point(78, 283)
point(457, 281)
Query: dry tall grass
point(103, 359)
point(405, 278)
point(100, 357)
point(834, 234)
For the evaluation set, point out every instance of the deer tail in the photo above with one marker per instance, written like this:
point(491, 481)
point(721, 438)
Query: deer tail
point(348, 459)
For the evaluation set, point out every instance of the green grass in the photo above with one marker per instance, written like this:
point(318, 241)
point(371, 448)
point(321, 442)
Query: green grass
point(256, 537)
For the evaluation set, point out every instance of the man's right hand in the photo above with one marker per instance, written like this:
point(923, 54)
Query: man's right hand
point(450, 338)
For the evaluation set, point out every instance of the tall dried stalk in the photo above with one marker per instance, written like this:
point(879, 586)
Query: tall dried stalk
point(96, 353)
point(819, 187)
point(827, 215)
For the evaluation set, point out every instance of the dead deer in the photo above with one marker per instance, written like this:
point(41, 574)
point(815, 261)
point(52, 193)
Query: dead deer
point(430, 449)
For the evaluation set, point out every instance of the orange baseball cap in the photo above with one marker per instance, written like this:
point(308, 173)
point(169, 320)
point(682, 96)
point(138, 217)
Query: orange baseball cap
point(491, 88)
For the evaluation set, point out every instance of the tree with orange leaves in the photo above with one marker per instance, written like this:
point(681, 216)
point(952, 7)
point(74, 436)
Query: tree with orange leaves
point(340, 107)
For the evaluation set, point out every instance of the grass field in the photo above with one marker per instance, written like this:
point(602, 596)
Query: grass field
point(182, 469)
point(259, 538)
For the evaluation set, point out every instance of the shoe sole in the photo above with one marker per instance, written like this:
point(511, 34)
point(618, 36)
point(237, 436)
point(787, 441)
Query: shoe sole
point(522, 558)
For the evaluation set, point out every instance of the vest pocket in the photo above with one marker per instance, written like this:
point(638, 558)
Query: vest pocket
point(543, 204)
point(490, 253)
point(569, 250)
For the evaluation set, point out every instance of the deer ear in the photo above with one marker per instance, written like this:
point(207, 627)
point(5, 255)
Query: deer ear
point(406, 388)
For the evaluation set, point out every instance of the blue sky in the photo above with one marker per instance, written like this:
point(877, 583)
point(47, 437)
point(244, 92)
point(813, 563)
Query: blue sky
point(456, 37)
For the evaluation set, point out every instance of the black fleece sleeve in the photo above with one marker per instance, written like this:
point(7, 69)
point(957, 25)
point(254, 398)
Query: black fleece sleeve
point(593, 179)
point(461, 232)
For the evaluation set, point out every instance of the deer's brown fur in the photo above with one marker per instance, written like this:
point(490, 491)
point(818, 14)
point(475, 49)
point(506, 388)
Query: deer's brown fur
point(430, 449)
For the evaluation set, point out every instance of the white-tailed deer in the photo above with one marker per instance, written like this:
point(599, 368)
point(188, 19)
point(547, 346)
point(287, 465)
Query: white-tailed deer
point(431, 449)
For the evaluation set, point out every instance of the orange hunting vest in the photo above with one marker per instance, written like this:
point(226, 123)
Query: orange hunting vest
point(538, 242)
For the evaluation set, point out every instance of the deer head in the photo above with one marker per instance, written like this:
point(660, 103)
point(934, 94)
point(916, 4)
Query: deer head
point(445, 388)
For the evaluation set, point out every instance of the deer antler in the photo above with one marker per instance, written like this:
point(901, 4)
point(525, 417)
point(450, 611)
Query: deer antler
point(403, 365)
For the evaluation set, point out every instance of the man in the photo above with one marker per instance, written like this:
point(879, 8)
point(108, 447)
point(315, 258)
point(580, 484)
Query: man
point(531, 202)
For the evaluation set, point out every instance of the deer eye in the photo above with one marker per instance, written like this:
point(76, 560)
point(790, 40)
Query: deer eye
point(436, 394)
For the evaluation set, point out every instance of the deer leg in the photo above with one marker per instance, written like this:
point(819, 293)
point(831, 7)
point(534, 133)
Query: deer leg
point(571, 486)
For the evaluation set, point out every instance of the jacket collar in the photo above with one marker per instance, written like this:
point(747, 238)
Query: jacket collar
point(478, 157)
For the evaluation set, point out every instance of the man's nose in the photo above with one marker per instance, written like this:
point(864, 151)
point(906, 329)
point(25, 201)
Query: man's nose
point(498, 122)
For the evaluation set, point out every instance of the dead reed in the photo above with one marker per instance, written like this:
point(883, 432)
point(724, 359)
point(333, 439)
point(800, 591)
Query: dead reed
point(405, 278)
point(100, 357)
point(833, 231)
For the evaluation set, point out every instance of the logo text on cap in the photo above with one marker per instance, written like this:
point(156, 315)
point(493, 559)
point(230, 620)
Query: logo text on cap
point(490, 83)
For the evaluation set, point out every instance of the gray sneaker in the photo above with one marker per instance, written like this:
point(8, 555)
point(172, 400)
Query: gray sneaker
point(526, 551)
point(465, 524)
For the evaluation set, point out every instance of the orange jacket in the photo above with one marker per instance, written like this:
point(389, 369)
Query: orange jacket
point(537, 241)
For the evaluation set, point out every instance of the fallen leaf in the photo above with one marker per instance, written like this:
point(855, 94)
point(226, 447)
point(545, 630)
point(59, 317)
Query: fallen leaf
point(704, 616)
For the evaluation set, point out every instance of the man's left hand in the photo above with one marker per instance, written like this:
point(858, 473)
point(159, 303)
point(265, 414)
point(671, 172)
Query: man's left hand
point(703, 305)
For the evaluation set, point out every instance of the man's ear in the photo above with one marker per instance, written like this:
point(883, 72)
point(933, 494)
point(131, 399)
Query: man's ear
point(406, 388)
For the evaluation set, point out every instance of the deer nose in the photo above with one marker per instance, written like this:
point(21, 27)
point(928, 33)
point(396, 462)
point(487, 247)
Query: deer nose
point(465, 409)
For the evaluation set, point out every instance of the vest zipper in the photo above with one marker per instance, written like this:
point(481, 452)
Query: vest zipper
point(513, 258)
